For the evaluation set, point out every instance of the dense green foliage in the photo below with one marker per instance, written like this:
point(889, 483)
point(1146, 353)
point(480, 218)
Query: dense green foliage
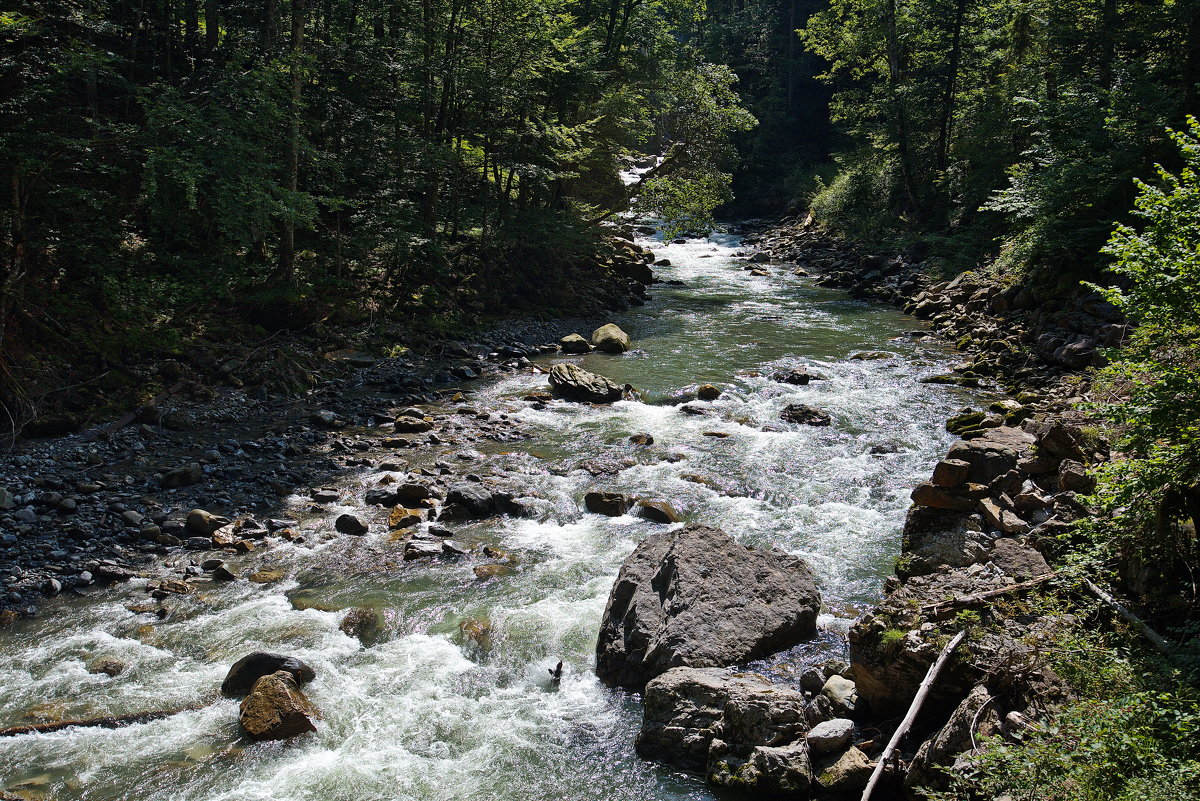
point(777, 79)
point(1010, 127)
point(1128, 735)
point(1153, 383)
point(160, 155)
point(1134, 747)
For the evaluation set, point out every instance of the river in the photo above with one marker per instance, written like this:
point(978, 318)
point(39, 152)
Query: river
point(453, 700)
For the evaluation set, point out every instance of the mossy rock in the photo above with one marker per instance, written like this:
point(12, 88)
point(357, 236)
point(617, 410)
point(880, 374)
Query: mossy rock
point(965, 421)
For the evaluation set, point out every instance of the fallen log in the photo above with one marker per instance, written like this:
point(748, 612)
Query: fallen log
point(126, 419)
point(1129, 617)
point(940, 607)
point(106, 722)
point(914, 708)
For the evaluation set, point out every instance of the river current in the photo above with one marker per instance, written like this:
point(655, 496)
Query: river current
point(453, 699)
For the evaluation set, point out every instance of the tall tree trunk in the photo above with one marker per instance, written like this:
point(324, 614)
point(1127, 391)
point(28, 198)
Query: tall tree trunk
point(191, 28)
point(792, 38)
point(899, 110)
point(17, 266)
point(1108, 43)
point(212, 26)
point(270, 12)
point(947, 121)
point(287, 244)
point(1191, 64)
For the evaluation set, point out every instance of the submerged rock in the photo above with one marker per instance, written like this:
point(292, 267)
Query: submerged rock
point(805, 415)
point(276, 709)
point(572, 382)
point(250, 668)
point(694, 597)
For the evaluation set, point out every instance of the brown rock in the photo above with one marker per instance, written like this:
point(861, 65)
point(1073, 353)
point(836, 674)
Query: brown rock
point(612, 504)
point(276, 709)
point(656, 511)
point(485, 572)
point(940, 498)
point(405, 518)
point(950, 473)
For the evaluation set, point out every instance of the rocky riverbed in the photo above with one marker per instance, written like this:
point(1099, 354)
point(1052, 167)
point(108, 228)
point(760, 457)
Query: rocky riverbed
point(439, 531)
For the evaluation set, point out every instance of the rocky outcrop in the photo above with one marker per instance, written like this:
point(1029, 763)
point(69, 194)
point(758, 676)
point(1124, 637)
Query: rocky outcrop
point(711, 720)
point(276, 709)
point(250, 668)
point(694, 597)
point(572, 382)
point(977, 716)
point(744, 732)
point(610, 339)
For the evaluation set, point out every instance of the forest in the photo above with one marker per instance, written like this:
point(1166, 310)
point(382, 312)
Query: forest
point(189, 176)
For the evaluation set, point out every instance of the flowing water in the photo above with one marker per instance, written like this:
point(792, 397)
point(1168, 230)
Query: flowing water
point(453, 700)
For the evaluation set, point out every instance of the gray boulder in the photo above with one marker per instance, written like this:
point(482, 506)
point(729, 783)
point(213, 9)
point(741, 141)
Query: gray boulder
point(832, 735)
point(183, 476)
point(475, 500)
point(572, 382)
point(694, 597)
point(975, 718)
point(610, 339)
point(739, 729)
point(574, 343)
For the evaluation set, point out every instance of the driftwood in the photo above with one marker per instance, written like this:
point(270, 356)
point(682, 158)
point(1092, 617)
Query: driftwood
point(1150, 634)
point(126, 419)
point(919, 699)
point(107, 722)
point(978, 598)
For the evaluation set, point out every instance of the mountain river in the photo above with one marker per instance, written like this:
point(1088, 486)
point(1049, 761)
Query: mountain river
point(452, 700)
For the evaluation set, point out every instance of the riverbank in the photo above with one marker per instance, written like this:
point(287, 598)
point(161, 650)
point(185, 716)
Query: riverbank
point(237, 427)
point(322, 512)
point(990, 542)
point(473, 630)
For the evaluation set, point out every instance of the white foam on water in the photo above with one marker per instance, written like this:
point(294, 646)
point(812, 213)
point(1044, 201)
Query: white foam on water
point(455, 701)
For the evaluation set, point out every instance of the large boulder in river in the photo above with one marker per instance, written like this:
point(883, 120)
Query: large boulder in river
point(739, 729)
point(574, 343)
point(276, 709)
point(572, 382)
point(610, 339)
point(249, 669)
point(694, 597)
